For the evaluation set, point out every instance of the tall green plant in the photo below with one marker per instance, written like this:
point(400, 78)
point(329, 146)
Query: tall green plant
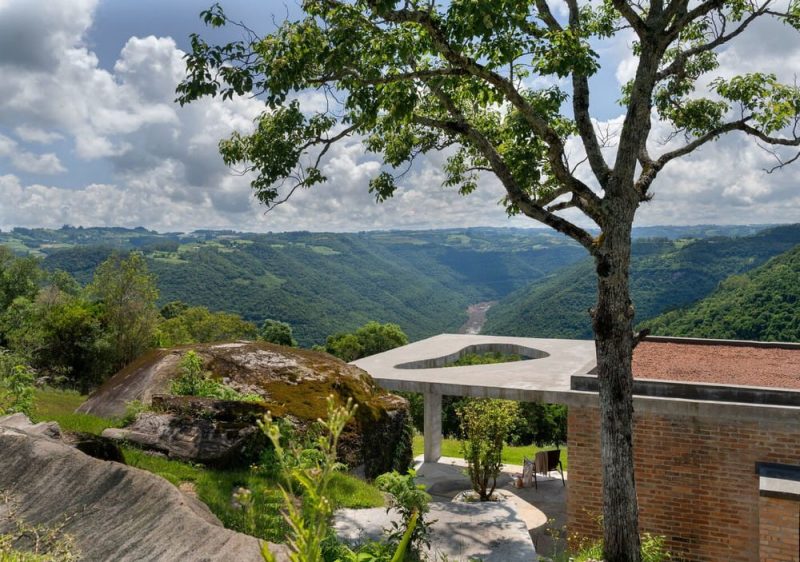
point(485, 426)
point(410, 500)
point(16, 385)
point(310, 475)
point(307, 474)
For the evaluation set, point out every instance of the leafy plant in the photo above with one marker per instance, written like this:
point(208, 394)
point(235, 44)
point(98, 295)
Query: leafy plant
point(16, 385)
point(195, 381)
point(485, 426)
point(307, 474)
point(409, 499)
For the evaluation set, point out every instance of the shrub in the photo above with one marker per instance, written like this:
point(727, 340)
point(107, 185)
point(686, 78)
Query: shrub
point(16, 386)
point(194, 381)
point(485, 426)
point(409, 499)
point(280, 333)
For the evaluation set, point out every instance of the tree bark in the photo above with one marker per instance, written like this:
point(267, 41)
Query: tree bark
point(613, 328)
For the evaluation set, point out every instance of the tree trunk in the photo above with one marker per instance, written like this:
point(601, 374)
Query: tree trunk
point(613, 328)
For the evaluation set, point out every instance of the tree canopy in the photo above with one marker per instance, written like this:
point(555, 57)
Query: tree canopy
point(420, 76)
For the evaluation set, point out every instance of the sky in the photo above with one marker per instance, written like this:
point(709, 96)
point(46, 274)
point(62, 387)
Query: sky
point(90, 134)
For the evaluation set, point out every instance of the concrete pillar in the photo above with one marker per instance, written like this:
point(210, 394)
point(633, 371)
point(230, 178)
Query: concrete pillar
point(433, 426)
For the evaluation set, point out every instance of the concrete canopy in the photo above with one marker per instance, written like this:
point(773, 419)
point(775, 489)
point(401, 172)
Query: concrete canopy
point(419, 367)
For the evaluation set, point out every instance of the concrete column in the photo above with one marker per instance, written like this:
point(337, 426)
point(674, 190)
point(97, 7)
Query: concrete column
point(433, 426)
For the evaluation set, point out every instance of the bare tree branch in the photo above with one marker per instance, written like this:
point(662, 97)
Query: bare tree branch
point(580, 107)
point(679, 63)
point(630, 15)
point(460, 127)
point(651, 168)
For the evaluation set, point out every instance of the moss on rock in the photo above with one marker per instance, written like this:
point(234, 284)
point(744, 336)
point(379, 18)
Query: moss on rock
point(293, 384)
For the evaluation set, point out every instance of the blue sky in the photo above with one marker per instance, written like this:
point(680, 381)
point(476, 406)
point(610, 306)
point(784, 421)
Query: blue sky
point(89, 134)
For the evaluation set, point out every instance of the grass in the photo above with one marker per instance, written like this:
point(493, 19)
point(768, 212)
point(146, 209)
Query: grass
point(59, 406)
point(511, 455)
point(214, 487)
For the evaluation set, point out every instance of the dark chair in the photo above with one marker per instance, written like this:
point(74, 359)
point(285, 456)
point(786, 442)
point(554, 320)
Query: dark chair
point(547, 461)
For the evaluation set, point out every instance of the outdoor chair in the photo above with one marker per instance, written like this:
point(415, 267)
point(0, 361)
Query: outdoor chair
point(528, 475)
point(547, 461)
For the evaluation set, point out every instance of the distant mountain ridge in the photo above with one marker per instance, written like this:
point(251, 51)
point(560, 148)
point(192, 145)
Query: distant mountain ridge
point(666, 274)
point(323, 283)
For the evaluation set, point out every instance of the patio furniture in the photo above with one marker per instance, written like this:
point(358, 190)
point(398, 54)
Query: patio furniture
point(547, 461)
point(528, 475)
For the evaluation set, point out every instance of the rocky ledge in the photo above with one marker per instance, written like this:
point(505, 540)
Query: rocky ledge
point(294, 385)
point(111, 511)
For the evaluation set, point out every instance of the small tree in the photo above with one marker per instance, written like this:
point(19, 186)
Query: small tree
point(277, 332)
point(127, 293)
point(485, 426)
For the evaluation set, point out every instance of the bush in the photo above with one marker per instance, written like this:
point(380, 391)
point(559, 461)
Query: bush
point(16, 385)
point(280, 333)
point(194, 381)
point(485, 426)
point(409, 499)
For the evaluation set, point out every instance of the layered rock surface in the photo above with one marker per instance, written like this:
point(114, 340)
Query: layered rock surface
point(113, 512)
point(294, 384)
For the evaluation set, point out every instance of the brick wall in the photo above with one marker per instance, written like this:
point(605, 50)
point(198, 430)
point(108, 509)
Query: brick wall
point(779, 526)
point(695, 480)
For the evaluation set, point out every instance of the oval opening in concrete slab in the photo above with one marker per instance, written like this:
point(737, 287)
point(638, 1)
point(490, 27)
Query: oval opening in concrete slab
point(526, 353)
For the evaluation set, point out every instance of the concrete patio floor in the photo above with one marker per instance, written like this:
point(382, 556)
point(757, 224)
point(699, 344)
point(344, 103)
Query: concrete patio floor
point(543, 510)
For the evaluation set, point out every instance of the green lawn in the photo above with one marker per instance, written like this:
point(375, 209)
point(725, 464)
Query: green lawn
point(511, 455)
point(213, 486)
point(59, 406)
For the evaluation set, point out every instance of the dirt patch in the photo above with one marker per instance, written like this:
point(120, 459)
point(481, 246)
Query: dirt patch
point(477, 317)
point(718, 364)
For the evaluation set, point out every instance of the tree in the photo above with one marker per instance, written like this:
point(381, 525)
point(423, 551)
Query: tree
point(19, 277)
point(369, 339)
point(127, 294)
point(418, 76)
point(197, 324)
point(485, 426)
point(275, 331)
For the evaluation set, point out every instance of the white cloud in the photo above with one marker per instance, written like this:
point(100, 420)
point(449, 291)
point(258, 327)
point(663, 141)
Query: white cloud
point(167, 173)
point(34, 134)
point(26, 161)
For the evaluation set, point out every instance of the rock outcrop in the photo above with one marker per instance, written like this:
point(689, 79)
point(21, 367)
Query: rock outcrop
point(293, 383)
point(112, 511)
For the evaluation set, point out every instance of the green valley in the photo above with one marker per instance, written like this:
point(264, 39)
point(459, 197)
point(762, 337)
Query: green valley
point(665, 274)
point(761, 304)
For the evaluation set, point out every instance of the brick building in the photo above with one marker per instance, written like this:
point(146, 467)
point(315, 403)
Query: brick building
point(716, 431)
point(716, 445)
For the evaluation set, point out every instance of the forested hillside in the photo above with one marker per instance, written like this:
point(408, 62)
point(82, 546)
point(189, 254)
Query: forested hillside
point(326, 283)
point(320, 283)
point(763, 304)
point(665, 274)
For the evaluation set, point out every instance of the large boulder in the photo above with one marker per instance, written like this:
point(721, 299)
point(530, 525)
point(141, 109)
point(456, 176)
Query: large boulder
point(294, 385)
point(111, 511)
